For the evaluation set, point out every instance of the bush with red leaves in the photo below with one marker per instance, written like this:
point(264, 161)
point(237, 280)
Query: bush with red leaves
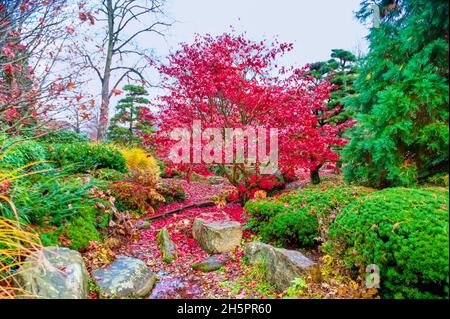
point(134, 196)
point(254, 183)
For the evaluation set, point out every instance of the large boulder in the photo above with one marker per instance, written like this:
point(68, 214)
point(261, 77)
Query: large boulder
point(167, 246)
point(281, 266)
point(217, 236)
point(54, 273)
point(125, 277)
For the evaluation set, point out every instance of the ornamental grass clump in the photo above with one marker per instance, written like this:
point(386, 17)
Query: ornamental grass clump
point(16, 243)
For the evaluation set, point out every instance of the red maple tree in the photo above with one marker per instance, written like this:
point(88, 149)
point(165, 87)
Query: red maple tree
point(230, 81)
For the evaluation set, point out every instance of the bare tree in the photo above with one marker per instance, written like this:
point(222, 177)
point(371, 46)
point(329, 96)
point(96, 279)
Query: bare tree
point(36, 82)
point(118, 56)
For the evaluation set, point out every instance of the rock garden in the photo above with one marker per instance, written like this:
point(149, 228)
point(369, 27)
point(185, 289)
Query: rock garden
point(223, 165)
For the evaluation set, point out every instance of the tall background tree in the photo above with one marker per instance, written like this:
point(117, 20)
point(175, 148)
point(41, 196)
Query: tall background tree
point(402, 134)
point(125, 127)
point(115, 56)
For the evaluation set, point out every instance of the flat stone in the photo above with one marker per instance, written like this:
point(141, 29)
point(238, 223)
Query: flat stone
point(218, 236)
point(54, 273)
point(211, 263)
point(194, 177)
point(281, 266)
point(125, 277)
point(143, 224)
point(215, 180)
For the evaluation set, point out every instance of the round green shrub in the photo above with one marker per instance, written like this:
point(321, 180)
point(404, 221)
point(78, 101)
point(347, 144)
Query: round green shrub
point(293, 218)
point(82, 157)
point(405, 232)
point(63, 136)
point(294, 226)
point(78, 233)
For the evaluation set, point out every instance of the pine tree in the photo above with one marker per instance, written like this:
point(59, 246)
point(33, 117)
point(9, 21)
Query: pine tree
point(125, 127)
point(341, 71)
point(402, 133)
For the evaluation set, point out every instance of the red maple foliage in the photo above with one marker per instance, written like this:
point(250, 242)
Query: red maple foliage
point(256, 182)
point(232, 82)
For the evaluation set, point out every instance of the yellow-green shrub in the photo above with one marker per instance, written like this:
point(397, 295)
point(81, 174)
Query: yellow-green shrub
point(140, 162)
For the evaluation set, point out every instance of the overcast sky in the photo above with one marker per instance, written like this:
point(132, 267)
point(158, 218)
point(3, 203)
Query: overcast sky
point(314, 26)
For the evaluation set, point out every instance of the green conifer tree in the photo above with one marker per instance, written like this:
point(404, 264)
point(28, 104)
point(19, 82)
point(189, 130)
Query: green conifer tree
point(402, 133)
point(341, 71)
point(124, 127)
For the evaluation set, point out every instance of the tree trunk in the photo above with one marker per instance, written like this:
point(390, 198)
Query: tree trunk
point(104, 111)
point(131, 118)
point(314, 175)
point(77, 124)
point(104, 106)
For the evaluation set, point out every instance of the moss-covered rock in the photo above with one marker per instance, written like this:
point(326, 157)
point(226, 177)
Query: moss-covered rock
point(54, 273)
point(167, 246)
point(211, 263)
point(125, 277)
point(280, 266)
